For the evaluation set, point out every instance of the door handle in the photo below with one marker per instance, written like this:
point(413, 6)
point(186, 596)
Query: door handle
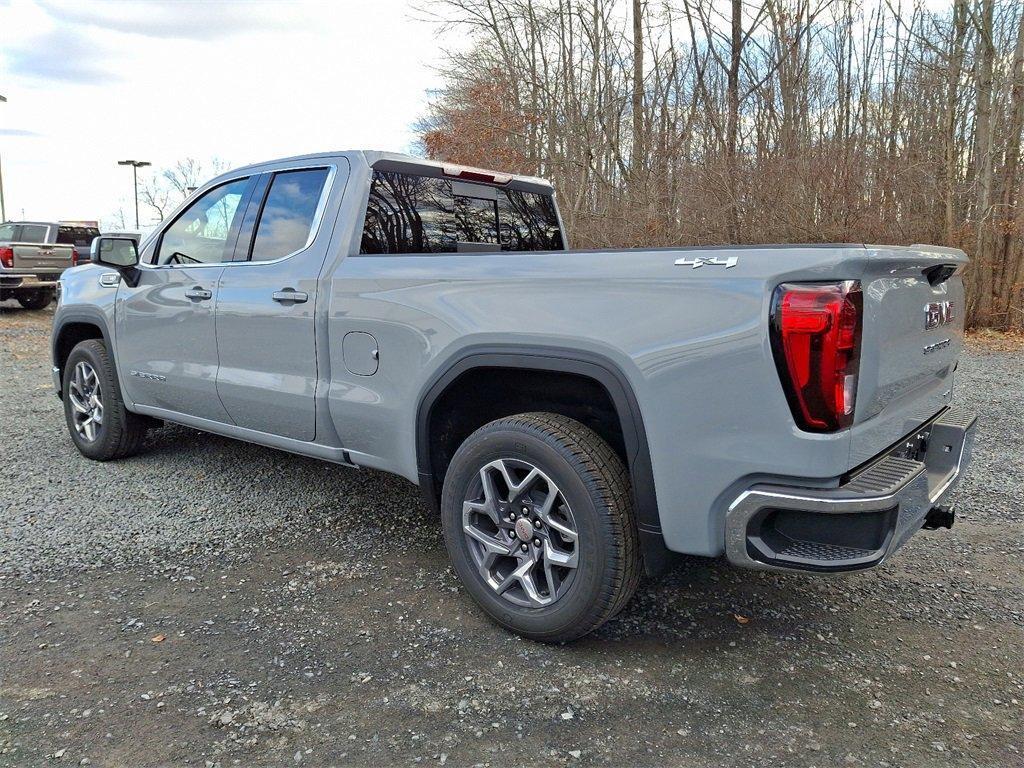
point(199, 294)
point(290, 296)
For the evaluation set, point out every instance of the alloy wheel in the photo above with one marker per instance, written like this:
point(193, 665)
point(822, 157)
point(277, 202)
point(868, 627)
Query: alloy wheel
point(86, 401)
point(521, 533)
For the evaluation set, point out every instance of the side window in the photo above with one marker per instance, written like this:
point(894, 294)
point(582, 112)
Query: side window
point(200, 234)
point(7, 233)
point(421, 214)
point(286, 221)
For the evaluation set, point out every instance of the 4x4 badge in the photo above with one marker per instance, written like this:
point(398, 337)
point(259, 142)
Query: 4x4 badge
point(710, 261)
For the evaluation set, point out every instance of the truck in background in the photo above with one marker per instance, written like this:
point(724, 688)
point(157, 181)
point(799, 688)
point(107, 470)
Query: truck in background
point(34, 254)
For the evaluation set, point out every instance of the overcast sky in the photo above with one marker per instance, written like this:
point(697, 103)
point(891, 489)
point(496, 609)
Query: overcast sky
point(91, 83)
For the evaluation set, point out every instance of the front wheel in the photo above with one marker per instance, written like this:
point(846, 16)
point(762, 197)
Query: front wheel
point(101, 427)
point(539, 524)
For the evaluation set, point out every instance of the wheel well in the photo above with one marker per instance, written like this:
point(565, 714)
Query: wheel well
point(482, 395)
point(497, 382)
point(487, 382)
point(72, 334)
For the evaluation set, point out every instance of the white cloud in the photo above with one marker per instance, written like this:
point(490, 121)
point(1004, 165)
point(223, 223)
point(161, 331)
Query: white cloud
point(92, 84)
point(62, 54)
point(192, 19)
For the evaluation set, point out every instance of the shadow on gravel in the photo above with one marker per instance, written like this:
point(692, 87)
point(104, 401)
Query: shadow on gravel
point(699, 600)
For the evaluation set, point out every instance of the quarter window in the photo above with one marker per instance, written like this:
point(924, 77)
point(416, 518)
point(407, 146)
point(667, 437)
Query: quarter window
point(287, 218)
point(423, 214)
point(200, 234)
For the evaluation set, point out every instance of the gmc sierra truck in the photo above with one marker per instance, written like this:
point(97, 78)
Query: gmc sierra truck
point(33, 254)
point(575, 416)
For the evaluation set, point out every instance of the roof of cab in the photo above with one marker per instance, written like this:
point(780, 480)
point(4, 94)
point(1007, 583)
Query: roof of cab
point(373, 156)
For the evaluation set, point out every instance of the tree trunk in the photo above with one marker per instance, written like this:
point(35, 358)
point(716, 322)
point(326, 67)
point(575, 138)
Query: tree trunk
point(733, 120)
point(983, 163)
point(951, 159)
point(639, 150)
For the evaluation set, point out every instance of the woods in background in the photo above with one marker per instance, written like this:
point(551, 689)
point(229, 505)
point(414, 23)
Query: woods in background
point(743, 121)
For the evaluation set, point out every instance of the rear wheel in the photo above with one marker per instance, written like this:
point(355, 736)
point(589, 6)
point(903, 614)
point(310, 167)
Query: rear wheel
point(539, 525)
point(39, 298)
point(101, 427)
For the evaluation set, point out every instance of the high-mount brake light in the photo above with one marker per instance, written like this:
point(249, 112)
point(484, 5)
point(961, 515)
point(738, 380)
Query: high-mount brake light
point(815, 336)
point(7, 257)
point(475, 174)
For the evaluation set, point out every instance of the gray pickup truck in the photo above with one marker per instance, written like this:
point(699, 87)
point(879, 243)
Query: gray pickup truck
point(575, 416)
point(33, 254)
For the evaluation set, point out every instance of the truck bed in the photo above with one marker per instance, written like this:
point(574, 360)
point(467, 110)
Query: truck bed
point(692, 342)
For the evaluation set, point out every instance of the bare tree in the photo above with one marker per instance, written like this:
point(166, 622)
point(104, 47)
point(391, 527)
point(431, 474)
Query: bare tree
point(168, 187)
point(157, 197)
point(671, 122)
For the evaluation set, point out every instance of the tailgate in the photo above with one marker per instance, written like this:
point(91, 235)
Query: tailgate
point(42, 256)
point(912, 337)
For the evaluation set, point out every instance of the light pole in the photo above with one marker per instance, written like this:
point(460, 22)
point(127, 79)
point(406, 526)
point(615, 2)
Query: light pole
point(135, 164)
point(3, 210)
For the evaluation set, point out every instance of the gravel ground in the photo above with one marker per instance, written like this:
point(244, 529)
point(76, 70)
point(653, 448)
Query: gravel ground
point(212, 603)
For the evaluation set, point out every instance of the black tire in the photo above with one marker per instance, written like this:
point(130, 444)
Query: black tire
point(595, 485)
point(122, 432)
point(36, 299)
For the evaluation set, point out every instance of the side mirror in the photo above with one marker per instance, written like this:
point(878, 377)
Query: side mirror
point(119, 252)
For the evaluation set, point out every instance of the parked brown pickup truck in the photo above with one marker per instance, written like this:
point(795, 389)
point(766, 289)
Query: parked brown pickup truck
point(32, 258)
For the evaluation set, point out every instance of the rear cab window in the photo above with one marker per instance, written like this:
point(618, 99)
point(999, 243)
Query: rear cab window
point(33, 233)
point(408, 213)
point(81, 237)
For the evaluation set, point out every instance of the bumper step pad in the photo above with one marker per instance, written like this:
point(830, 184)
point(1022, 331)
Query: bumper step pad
point(798, 550)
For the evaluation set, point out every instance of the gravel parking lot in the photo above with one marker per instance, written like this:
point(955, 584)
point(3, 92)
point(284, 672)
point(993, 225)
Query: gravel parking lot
point(213, 603)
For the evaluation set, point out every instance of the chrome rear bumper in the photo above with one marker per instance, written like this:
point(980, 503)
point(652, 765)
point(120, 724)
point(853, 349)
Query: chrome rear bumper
point(863, 521)
point(13, 281)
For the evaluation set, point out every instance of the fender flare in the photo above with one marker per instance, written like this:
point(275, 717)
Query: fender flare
point(561, 360)
point(83, 316)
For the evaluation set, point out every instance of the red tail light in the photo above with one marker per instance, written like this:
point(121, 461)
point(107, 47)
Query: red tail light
point(7, 257)
point(74, 257)
point(815, 337)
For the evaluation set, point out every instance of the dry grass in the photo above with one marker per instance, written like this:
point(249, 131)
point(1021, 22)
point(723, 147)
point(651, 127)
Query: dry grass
point(996, 341)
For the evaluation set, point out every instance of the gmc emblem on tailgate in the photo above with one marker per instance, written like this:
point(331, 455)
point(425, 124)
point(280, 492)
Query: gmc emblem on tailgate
point(937, 313)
